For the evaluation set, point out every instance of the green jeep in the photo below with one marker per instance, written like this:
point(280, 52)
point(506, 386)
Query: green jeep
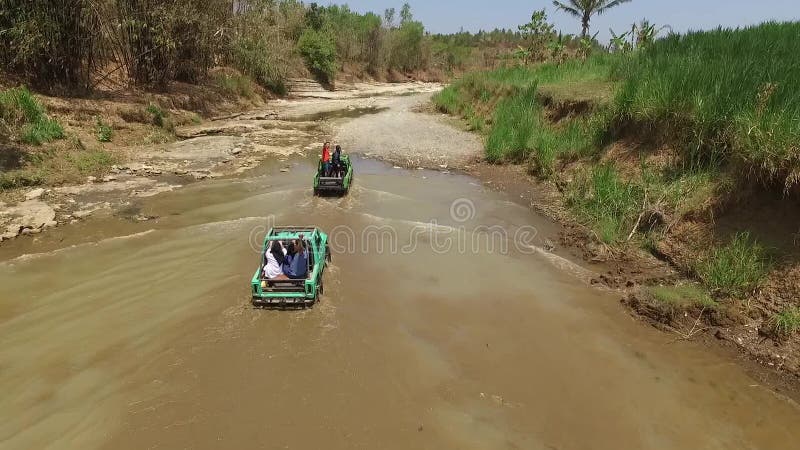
point(289, 292)
point(339, 184)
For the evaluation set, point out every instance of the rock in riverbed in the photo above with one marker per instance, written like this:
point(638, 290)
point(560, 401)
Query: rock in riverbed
point(34, 194)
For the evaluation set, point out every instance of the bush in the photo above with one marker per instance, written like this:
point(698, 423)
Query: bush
point(104, 131)
point(157, 114)
point(263, 54)
point(319, 52)
point(735, 269)
point(26, 117)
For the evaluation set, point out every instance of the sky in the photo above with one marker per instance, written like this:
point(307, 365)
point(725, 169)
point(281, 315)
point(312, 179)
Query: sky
point(448, 16)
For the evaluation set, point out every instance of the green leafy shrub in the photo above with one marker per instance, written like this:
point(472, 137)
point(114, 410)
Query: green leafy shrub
point(157, 114)
point(319, 51)
point(104, 131)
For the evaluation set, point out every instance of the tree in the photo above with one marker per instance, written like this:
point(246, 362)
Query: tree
point(405, 14)
point(388, 17)
point(536, 34)
point(585, 9)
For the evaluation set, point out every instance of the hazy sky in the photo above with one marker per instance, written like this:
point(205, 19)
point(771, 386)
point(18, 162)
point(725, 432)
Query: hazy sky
point(450, 15)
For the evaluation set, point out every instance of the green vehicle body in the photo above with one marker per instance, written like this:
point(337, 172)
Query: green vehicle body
point(288, 293)
point(334, 185)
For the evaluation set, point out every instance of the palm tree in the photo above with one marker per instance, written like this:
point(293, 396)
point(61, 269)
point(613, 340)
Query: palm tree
point(585, 9)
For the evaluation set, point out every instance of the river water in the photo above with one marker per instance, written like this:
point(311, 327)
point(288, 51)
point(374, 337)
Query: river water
point(441, 326)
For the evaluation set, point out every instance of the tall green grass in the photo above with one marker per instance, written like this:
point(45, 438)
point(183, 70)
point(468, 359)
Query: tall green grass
point(733, 92)
point(27, 118)
point(506, 103)
point(607, 201)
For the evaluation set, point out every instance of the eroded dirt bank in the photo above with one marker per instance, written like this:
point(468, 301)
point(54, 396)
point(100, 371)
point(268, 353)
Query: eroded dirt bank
point(118, 333)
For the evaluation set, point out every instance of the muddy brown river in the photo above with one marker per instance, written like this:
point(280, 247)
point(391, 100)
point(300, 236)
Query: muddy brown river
point(442, 326)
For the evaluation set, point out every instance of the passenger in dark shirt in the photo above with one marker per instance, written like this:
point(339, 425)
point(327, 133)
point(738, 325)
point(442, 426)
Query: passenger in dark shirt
point(298, 267)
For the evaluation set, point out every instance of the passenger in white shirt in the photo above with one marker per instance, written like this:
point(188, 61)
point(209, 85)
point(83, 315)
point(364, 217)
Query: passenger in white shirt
point(276, 257)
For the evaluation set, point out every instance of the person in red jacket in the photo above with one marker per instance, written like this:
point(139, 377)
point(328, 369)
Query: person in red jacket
point(326, 159)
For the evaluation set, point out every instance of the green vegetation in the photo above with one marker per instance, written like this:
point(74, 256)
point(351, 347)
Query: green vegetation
point(786, 322)
point(68, 161)
point(235, 85)
point(736, 268)
point(693, 119)
point(609, 202)
point(24, 117)
point(157, 115)
point(319, 52)
point(91, 161)
point(676, 299)
point(731, 93)
point(157, 42)
point(104, 131)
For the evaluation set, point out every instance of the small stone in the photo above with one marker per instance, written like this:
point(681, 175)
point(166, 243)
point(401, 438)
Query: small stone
point(155, 172)
point(50, 224)
point(236, 151)
point(34, 194)
point(397, 167)
point(82, 214)
point(91, 179)
point(285, 169)
point(109, 178)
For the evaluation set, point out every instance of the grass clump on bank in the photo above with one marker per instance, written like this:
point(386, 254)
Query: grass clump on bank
point(235, 85)
point(607, 201)
point(26, 118)
point(786, 322)
point(735, 269)
point(676, 299)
